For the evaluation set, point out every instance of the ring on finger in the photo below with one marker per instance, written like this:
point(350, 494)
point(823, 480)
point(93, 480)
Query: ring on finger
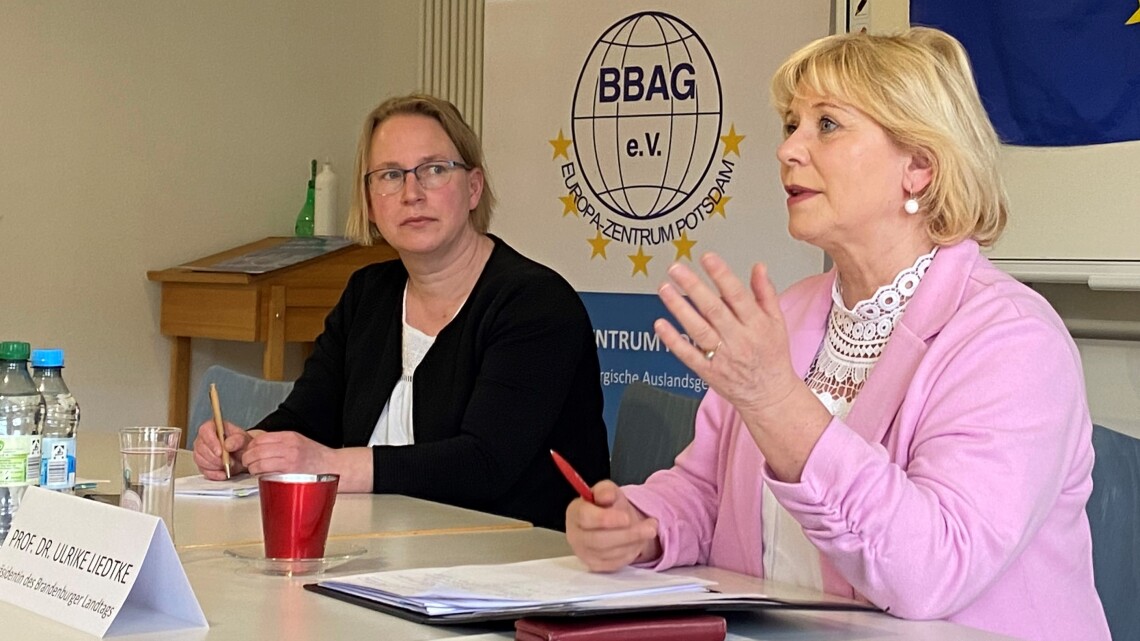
point(709, 353)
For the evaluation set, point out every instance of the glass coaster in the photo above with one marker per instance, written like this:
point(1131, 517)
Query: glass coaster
point(254, 556)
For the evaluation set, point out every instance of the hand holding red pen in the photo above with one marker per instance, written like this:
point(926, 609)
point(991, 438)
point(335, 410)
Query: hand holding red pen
point(610, 533)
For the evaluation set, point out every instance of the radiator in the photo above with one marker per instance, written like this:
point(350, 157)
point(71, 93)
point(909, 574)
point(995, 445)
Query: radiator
point(453, 55)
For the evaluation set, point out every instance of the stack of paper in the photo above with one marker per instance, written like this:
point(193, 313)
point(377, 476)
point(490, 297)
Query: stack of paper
point(198, 485)
point(548, 587)
point(507, 587)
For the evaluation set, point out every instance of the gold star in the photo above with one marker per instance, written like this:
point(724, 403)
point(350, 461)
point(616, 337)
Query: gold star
point(560, 145)
point(1135, 19)
point(640, 262)
point(718, 208)
point(731, 141)
point(568, 205)
point(684, 246)
point(599, 244)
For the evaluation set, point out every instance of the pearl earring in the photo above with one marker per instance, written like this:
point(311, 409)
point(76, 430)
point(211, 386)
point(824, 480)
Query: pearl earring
point(911, 205)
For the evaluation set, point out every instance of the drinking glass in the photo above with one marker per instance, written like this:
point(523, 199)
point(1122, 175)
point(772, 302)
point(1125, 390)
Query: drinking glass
point(148, 455)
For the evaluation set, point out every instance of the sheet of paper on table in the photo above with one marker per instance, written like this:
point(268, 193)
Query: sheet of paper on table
point(470, 588)
point(198, 485)
point(87, 484)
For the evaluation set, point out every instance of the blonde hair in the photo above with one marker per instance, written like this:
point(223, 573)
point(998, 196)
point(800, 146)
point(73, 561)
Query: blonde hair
point(360, 228)
point(918, 86)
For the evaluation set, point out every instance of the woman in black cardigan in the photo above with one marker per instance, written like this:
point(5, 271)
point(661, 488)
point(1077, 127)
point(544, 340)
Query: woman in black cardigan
point(446, 375)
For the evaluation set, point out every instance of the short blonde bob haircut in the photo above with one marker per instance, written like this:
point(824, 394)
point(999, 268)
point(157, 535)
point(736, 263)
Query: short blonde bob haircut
point(918, 86)
point(360, 228)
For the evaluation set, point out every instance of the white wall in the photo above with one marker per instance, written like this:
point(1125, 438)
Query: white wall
point(1112, 367)
point(139, 134)
point(1112, 376)
point(1077, 202)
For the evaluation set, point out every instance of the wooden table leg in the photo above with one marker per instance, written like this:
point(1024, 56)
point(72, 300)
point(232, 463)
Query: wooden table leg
point(178, 412)
point(273, 361)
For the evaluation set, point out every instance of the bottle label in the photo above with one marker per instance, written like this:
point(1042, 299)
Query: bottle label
point(57, 467)
point(14, 454)
point(34, 456)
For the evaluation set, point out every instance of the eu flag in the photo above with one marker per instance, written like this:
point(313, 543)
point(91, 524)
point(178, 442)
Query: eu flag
point(1051, 72)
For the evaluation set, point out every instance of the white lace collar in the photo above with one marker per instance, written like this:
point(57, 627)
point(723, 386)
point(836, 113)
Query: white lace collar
point(855, 337)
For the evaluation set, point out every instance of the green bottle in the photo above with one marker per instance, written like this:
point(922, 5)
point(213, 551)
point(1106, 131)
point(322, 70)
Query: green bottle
point(304, 226)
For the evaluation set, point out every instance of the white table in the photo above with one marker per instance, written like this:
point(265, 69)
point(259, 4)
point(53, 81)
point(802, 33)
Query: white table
point(214, 522)
point(211, 521)
point(398, 532)
point(242, 604)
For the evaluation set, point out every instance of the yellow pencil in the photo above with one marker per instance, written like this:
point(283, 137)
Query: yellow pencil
point(221, 429)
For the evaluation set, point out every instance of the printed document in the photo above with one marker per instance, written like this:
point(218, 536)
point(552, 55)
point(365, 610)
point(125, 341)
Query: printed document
point(198, 485)
point(529, 584)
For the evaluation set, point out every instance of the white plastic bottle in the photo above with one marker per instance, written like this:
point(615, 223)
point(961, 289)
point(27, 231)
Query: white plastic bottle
point(326, 209)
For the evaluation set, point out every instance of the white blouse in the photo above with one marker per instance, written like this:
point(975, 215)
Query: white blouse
point(853, 344)
point(395, 424)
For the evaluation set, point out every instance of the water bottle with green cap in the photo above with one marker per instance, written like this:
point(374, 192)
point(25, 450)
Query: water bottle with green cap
point(21, 410)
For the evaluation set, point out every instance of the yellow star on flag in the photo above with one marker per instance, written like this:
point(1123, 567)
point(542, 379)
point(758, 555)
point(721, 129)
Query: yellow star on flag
point(640, 261)
point(731, 141)
point(718, 208)
point(599, 244)
point(684, 246)
point(561, 144)
point(1135, 19)
point(568, 205)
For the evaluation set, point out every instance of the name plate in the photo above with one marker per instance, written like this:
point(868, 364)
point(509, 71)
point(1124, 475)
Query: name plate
point(98, 568)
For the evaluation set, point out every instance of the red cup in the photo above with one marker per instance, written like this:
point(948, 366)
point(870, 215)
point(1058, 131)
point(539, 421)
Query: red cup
point(296, 510)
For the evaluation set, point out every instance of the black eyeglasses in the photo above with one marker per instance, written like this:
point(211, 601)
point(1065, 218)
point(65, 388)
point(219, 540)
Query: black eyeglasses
point(431, 175)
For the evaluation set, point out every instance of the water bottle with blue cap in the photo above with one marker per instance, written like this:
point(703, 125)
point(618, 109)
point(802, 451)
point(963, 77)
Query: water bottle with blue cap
point(61, 419)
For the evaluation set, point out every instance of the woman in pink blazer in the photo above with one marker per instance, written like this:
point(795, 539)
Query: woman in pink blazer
point(909, 428)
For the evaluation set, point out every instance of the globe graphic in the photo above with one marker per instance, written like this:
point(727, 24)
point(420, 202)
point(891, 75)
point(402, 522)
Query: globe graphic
point(646, 115)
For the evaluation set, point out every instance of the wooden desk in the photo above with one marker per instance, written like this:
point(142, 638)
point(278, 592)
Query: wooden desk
point(287, 305)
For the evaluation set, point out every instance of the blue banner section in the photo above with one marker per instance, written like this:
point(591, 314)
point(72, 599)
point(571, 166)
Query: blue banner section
point(630, 351)
point(1050, 73)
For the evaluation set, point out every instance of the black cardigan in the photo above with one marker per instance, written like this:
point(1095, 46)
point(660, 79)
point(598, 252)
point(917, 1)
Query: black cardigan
point(513, 375)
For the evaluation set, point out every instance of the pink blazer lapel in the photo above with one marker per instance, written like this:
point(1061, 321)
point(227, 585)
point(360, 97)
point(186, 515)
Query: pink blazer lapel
point(805, 314)
point(935, 301)
point(879, 400)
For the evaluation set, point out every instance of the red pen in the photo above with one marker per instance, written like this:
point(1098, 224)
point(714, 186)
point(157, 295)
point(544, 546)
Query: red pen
point(572, 476)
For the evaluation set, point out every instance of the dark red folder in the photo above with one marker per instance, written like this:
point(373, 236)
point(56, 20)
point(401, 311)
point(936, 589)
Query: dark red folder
point(695, 627)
